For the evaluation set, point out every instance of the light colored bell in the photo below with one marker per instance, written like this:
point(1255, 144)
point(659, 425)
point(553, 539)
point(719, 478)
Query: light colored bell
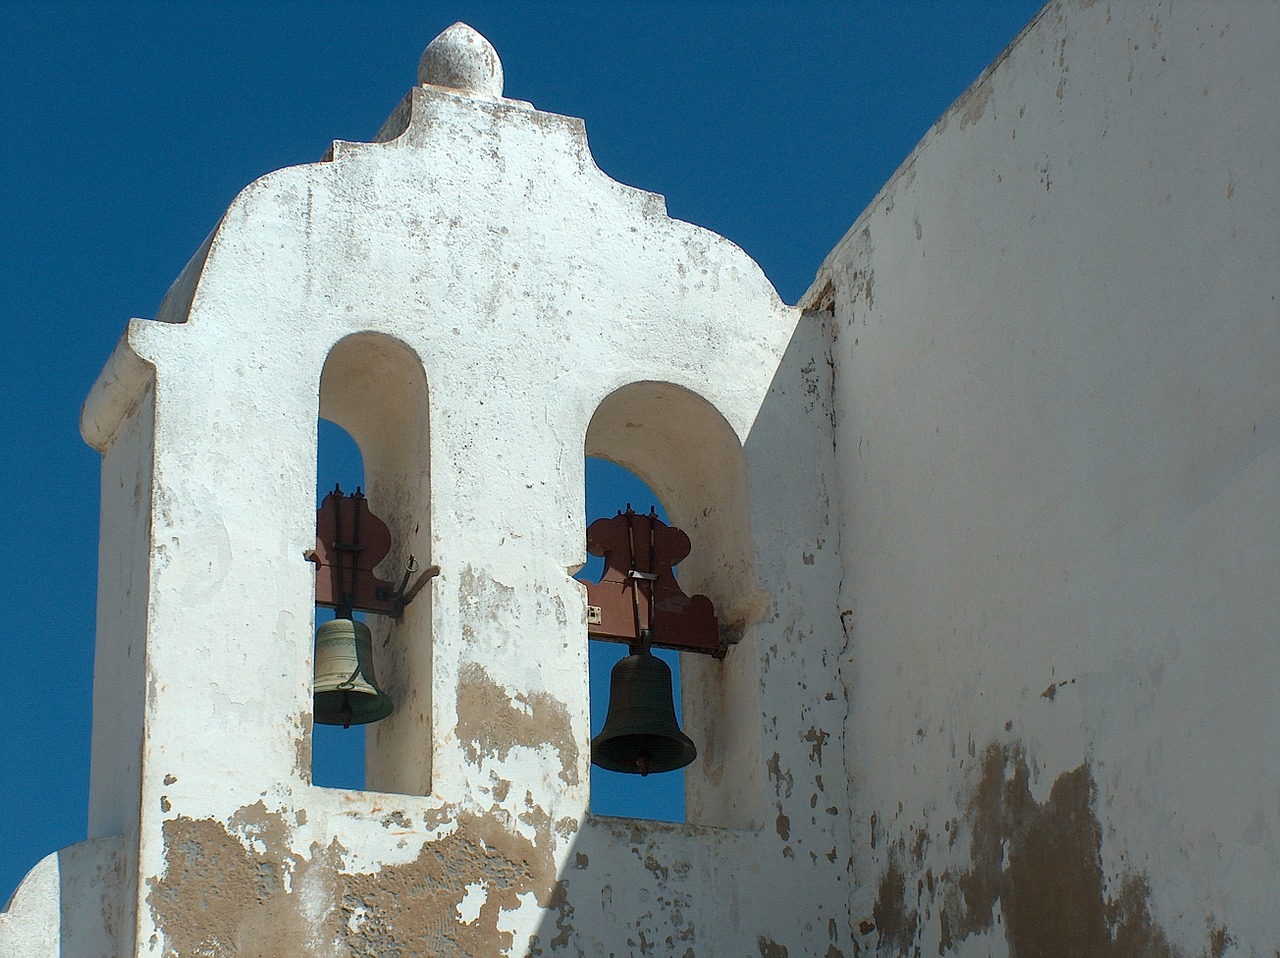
point(346, 691)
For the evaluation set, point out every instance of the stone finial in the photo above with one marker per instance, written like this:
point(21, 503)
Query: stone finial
point(461, 59)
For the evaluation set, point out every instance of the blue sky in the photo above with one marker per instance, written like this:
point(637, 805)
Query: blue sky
point(129, 127)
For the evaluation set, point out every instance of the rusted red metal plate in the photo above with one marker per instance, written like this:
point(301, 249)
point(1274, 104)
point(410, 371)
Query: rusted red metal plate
point(632, 543)
point(350, 541)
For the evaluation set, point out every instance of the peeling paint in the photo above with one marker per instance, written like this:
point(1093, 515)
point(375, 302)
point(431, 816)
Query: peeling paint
point(783, 781)
point(302, 751)
point(974, 103)
point(1042, 863)
point(490, 723)
point(895, 920)
point(1035, 869)
point(1219, 940)
point(770, 949)
point(816, 739)
point(239, 891)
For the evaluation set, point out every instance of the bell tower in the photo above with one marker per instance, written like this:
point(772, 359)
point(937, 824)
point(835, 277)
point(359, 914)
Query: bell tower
point(976, 549)
point(479, 306)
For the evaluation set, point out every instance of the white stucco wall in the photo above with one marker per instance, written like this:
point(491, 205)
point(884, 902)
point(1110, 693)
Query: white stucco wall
point(1058, 434)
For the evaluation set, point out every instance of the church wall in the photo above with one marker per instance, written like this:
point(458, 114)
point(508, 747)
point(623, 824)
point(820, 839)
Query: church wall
point(1057, 354)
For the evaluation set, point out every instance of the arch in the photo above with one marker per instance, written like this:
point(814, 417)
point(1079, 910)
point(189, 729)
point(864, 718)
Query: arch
point(375, 387)
point(685, 450)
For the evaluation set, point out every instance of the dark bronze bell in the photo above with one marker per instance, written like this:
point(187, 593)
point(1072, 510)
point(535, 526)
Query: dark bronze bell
point(346, 692)
point(641, 734)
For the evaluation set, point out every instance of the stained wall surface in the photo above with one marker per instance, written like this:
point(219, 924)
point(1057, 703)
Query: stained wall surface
point(1057, 355)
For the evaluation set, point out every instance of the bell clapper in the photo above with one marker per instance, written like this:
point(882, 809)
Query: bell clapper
point(644, 761)
point(346, 712)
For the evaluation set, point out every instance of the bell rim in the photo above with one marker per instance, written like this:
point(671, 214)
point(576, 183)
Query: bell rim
point(384, 708)
point(686, 748)
point(361, 685)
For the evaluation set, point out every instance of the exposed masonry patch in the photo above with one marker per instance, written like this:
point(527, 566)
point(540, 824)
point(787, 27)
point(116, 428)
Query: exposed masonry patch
point(236, 889)
point(302, 750)
point(1040, 863)
point(770, 949)
point(974, 103)
point(491, 722)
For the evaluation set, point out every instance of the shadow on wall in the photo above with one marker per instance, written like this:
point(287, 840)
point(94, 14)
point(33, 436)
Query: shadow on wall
point(640, 887)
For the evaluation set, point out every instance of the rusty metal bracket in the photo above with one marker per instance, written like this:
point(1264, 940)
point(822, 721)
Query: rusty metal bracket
point(350, 542)
point(404, 596)
point(637, 598)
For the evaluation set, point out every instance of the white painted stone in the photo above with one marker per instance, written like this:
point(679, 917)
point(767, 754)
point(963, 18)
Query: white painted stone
point(474, 895)
point(461, 59)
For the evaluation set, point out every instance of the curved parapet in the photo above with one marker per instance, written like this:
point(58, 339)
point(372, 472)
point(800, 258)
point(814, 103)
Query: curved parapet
point(115, 394)
point(69, 905)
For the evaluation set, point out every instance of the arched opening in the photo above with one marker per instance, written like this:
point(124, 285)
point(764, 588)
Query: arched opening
point(609, 488)
point(687, 453)
point(375, 388)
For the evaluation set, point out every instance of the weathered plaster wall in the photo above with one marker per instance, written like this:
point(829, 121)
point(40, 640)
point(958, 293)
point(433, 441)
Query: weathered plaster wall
point(1058, 429)
point(493, 270)
point(70, 905)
